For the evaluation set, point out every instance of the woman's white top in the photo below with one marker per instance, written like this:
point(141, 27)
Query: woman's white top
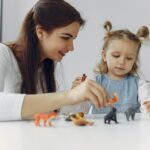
point(10, 82)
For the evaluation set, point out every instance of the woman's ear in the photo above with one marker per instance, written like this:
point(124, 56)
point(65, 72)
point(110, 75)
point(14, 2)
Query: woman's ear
point(39, 32)
point(104, 55)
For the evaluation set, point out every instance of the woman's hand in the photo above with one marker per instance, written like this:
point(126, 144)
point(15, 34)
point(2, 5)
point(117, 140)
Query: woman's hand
point(88, 90)
point(76, 82)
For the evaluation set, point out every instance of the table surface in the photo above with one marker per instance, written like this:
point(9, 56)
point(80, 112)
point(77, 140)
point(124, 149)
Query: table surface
point(24, 135)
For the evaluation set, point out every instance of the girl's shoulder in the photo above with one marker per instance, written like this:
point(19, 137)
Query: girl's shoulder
point(99, 77)
point(133, 77)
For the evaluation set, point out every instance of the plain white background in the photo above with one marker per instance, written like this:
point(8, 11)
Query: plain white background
point(128, 14)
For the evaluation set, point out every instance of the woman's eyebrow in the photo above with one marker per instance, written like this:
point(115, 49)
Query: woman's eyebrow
point(68, 34)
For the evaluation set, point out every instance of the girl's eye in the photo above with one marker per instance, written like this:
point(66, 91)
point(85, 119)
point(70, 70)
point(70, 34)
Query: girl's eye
point(128, 58)
point(116, 56)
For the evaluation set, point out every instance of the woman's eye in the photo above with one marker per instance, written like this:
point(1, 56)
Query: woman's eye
point(65, 38)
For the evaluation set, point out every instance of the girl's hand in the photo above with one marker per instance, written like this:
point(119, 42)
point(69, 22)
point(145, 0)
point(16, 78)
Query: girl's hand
point(88, 90)
point(147, 105)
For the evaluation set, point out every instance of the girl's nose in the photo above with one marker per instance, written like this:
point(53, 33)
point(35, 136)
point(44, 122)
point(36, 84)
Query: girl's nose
point(122, 60)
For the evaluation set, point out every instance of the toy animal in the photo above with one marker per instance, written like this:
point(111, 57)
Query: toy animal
point(46, 118)
point(130, 113)
point(111, 116)
point(78, 119)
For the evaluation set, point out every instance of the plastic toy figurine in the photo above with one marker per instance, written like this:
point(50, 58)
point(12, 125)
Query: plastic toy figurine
point(130, 112)
point(83, 77)
point(78, 119)
point(111, 116)
point(45, 117)
point(114, 99)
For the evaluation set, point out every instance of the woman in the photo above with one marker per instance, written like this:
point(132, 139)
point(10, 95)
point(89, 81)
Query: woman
point(27, 81)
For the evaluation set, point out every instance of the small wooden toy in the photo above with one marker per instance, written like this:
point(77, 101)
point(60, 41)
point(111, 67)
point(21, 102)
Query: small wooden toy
point(46, 118)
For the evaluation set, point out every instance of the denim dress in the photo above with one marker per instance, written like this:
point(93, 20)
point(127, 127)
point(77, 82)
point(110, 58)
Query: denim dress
point(126, 88)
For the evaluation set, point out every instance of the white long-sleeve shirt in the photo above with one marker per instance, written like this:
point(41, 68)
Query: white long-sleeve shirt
point(10, 82)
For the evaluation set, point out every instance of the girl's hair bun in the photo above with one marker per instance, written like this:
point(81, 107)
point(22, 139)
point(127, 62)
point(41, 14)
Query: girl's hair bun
point(107, 26)
point(143, 32)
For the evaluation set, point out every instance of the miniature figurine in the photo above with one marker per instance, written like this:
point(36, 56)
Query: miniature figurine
point(45, 117)
point(111, 116)
point(130, 112)
point(83, 77)
point(114, 99)
point(78, 119)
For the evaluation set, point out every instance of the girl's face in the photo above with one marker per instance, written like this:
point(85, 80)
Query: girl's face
point(56, 44)
point(120, 57)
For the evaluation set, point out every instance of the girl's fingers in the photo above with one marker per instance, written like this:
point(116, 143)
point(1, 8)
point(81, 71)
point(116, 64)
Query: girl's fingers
point(148, 106)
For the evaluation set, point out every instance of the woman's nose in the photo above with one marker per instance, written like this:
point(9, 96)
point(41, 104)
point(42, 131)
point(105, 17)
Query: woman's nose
point(70, 46)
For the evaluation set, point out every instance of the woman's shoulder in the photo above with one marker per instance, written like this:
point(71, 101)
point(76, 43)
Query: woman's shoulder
point(5, 51)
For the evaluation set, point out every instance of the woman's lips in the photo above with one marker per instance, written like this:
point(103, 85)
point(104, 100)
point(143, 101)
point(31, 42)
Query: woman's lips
point(63, 54)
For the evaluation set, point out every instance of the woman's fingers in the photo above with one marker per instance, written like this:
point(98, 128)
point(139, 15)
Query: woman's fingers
point(76, 82)
point(100, 92)
point(89, 90)
point(92, 97)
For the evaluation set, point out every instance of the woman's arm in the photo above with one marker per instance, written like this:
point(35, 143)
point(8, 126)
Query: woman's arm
point(37, 103)
point(87, 90)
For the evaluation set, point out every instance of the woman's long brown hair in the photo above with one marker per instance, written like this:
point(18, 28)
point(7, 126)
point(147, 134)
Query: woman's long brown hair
point(49, 14)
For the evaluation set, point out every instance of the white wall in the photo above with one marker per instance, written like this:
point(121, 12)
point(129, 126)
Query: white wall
point(122, 13)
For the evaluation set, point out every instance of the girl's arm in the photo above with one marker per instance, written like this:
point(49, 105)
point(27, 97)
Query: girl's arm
point(144, 95)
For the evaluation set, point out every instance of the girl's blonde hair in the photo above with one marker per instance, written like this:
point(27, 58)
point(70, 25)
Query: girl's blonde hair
point(137, 38)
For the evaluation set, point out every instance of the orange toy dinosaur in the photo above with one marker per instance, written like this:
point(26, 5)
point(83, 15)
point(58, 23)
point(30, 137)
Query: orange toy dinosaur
point(45, 117)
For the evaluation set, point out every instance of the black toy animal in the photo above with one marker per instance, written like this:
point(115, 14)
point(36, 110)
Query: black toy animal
point(111, 116)
point(130, 113)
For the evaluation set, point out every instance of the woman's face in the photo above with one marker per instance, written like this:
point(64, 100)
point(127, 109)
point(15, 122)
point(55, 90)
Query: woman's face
point(59, 42)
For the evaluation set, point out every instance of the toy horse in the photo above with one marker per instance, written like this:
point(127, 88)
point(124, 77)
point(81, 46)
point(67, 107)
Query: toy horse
point(45, 117)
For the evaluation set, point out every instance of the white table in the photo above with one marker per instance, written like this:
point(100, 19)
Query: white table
point(24, 135)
